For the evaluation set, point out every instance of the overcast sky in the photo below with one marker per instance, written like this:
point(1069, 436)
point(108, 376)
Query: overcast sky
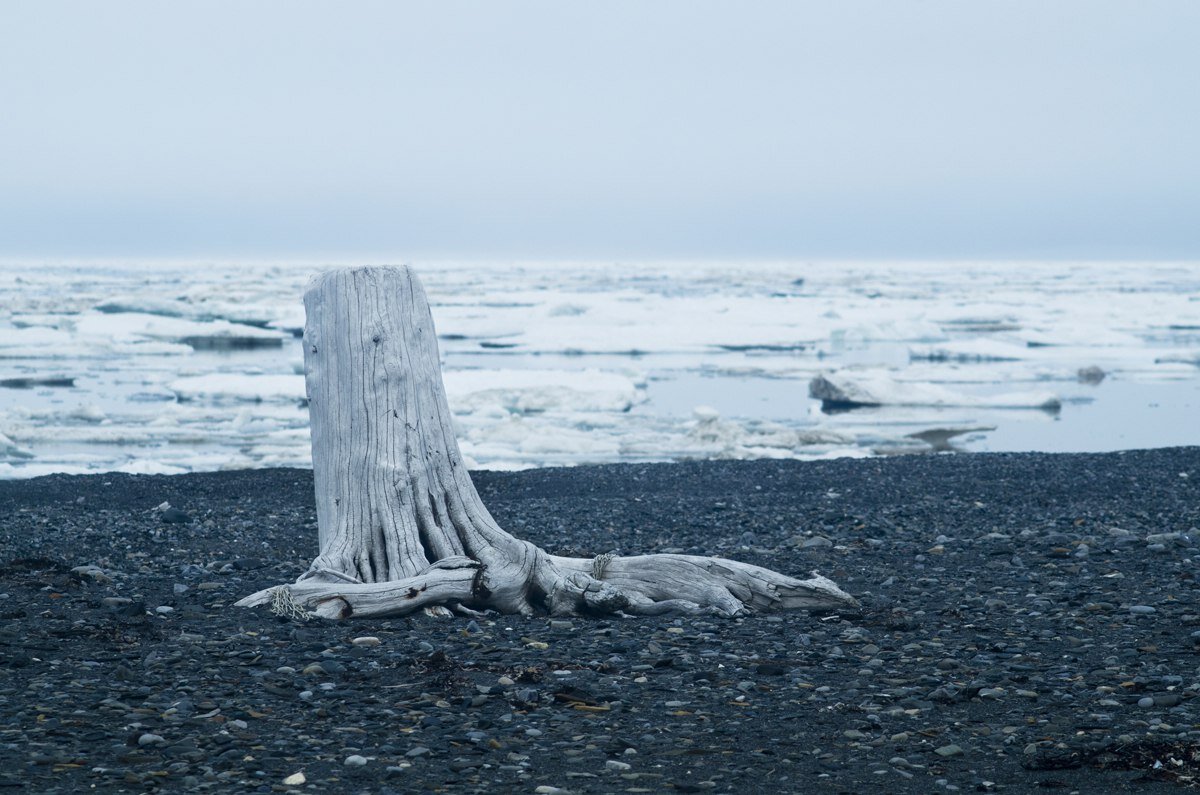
point(1014, 129)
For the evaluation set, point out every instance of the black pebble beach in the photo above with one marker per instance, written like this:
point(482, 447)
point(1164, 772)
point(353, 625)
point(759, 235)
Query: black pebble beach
point(1030, 622)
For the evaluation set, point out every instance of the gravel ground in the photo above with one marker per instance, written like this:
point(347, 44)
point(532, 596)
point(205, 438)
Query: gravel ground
point(1029, 621)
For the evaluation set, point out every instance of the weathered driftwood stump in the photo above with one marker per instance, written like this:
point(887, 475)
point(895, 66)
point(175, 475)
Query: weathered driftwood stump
point(401, 526)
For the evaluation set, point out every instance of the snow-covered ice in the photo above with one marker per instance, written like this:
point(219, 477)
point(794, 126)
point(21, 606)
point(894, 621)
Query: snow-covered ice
point(239, 386)
point(850, 388)
point(173, 367)
point(537, 391)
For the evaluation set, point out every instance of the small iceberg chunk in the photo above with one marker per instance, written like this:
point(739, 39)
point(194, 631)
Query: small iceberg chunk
point(711, 436)
point(938, 439)
point(540, 391)
point(10, 449)
point(850, 390)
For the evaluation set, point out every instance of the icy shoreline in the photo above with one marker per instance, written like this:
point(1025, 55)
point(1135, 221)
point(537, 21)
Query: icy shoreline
point(178, 367)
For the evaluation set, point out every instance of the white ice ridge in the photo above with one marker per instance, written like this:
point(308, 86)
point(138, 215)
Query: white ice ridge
point(850, 388)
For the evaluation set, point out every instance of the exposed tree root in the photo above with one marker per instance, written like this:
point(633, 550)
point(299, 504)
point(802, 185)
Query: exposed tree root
point(642, 585)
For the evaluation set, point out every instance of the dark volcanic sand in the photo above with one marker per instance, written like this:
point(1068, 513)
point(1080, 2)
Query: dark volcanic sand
point(1020, 630)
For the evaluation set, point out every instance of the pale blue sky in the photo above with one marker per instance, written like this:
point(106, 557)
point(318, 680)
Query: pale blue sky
point(1022, 128)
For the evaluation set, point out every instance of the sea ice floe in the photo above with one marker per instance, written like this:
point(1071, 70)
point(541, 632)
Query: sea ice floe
point(629, 321)
point(40, 342)
point(34, 342)
point(528, 391)
point(849, 389)
point(208, 335)
point(43, 320)
point(533, 440)
point(974, 350)
point(538, 364)
point(940, 439)
point(890, 329)
point(206, 308)
point(238, 386)
point(709, 433)
point(89, 412)
point(1187, 358)
point(10, 449)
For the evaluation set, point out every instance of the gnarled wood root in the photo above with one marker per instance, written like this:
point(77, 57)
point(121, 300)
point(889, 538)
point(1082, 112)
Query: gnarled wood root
point(641, 585)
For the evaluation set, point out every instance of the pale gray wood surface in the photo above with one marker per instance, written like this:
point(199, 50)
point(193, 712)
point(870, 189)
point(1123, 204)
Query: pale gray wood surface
point(401, 526)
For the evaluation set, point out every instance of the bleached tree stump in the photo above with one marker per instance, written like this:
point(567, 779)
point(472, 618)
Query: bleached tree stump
point(401, 526)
